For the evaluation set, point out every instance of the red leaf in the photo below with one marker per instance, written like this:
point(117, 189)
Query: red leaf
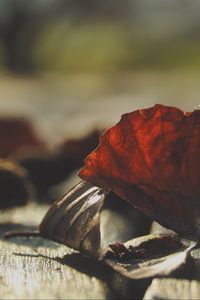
point(151, 158)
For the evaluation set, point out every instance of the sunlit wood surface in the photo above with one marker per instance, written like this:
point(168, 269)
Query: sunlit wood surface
point(35, 268)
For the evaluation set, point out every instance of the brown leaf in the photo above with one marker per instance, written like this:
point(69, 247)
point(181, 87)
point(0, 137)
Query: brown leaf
point(145, 247)
point(151, 158)
point(74, 220)
point(132, 274)
point(15, 187)
point(48, 168)
point(17, 134)
point(78, 148)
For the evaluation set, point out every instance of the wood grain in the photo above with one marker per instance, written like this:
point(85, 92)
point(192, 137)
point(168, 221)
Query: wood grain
point(36, 268)
point(173, 289)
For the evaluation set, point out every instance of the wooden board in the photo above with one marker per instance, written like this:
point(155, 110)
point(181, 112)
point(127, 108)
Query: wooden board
point(173, 289)
point(35, 268)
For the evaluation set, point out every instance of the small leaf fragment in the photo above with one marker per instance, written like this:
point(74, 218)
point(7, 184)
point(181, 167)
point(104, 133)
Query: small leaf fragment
point(146, 247)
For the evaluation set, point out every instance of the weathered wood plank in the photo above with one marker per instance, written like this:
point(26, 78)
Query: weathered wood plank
point(173, 289)
point(36, 268)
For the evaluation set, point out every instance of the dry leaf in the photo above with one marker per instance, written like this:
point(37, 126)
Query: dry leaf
point(15, 186)
point(131, 275)
point(48, 168)
point(74, 220)
point(151, 158)
point(16, 135)
point(78, 148)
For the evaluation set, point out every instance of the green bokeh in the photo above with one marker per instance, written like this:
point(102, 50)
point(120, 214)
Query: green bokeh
point(110, 47)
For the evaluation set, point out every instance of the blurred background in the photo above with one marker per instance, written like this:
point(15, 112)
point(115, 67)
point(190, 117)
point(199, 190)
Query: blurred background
point(72, 65)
